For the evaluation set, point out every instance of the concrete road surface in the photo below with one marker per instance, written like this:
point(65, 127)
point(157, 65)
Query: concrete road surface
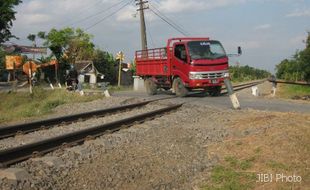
point(246, 99)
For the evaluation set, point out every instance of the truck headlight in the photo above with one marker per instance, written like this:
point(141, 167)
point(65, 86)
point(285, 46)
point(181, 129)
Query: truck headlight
point(194, 76)
point(226, 75)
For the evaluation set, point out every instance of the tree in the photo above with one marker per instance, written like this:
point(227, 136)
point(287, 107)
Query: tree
point(32, 37)
point(2, 58)
point(68, 45)
point(105, 62)
point(245, 73)
point(7, 15)
point(297, 68)
point(68, 42)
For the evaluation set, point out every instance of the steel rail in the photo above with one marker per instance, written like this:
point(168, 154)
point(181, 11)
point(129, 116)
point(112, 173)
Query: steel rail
point(24, 152)
point(244, 86)
point(290, 82)
point(9, 131)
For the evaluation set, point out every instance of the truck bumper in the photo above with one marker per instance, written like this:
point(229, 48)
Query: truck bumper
point(203, 83)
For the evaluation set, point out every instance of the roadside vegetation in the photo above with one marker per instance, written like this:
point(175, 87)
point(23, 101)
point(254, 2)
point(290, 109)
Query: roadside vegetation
point(298, 67)
point(69, 45)
point(292, 91)
point(263, 143)
point(232, 175)
point(247, 73)
point(22, 105)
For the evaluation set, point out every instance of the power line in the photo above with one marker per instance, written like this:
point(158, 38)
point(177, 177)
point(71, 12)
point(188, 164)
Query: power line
point(81, 11)
point(98, 13)
point(165, 20)
point(149, 32)
point(109, 15)
point(171, 21)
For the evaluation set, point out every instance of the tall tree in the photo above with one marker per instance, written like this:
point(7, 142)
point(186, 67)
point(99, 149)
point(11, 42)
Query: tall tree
point(68, 45)
point(105, 62)
point(297, 68)
point(7, 15)
point(74, 44)
point(32, 37)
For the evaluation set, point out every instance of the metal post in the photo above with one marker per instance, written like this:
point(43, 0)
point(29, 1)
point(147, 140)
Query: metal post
point(14, 71)
point(30, 79)
point(14, 84)
point(119, 72)
point(232, 94)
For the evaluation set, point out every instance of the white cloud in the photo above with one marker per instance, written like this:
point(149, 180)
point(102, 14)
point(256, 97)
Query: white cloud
point(299, 13)
point(174, 6)
point(127, 14)
point(262, 27)
point(36, 18)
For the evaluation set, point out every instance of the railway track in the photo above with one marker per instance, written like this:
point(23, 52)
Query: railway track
point(244, 86)
point(10, 131)
point(17, 154)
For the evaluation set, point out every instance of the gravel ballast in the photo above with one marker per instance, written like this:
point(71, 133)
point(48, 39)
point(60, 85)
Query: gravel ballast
point(169, 152)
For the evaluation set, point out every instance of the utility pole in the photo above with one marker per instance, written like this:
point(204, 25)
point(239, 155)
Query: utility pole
point(141, 9)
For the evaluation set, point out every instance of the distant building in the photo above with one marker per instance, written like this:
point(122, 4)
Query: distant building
point(88, 73)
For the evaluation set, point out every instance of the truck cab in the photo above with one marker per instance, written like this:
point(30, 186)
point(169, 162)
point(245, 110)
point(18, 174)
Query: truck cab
point(185, 64)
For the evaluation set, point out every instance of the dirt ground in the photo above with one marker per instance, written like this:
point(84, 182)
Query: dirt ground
point(276, 144)
point(199, 147)
point(183, 153)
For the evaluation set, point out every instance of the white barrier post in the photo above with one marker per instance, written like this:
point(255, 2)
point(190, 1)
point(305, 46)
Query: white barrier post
point(232, 94)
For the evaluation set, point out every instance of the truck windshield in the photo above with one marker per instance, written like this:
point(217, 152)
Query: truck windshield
point(206, 50)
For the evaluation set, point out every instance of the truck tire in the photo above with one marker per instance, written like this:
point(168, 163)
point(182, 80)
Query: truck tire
point(179, 88)
point(150, 86)
point(215, 91)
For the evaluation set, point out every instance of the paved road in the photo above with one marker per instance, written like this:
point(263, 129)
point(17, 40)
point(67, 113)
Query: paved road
point(245, 98)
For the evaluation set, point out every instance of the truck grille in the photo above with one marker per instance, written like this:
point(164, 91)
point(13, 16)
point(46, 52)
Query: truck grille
point(213, 75)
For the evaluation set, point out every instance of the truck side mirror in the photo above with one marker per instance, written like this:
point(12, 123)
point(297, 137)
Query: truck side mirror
point(239, 50)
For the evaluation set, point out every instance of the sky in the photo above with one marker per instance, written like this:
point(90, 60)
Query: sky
point(267, 30)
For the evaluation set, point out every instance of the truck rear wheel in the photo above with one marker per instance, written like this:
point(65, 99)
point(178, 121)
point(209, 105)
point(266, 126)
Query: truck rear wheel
point(150, 86)
point(179, 88)
point(215, 90)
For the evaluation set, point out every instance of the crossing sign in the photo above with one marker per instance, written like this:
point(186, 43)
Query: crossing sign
point(120, 56)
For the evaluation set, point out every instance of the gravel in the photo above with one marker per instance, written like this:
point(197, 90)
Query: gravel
point(163, 153)
point(169, 152)
point(62, 129)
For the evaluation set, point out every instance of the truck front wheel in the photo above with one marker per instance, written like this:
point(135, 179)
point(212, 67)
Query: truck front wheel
point(179, 88)
point(150, 86)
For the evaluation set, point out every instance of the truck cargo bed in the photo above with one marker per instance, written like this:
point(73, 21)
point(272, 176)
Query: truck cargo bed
point(152, 62)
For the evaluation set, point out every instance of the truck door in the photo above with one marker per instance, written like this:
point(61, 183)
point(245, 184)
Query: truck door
point(180, 61)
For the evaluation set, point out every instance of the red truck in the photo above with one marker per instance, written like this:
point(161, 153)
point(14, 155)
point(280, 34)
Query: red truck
point(185, 64)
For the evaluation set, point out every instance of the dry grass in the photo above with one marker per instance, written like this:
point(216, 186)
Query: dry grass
point(289, 91)
point(271, 143)
point(21, 105)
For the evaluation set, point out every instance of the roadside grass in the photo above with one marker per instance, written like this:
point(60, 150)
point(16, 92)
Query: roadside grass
point(232, 175)
point(289, 90)
point(117, 88)
point(22, 105)
point(281, 148)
